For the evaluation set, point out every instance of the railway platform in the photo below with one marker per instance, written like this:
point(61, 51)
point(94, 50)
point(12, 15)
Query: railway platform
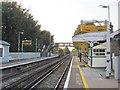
point(81, 76)
point(23, 62)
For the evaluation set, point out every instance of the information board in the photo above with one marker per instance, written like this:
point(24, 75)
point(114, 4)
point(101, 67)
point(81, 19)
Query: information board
point(26, 42)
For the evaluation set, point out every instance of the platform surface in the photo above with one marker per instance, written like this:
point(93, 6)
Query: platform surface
point(82, 76)
point(22, 62)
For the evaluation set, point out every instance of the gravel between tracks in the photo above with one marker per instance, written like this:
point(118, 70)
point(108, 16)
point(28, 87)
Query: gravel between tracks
point(16, 78)
point(51, 81)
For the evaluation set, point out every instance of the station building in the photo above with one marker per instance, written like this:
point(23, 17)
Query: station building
point(4, 51)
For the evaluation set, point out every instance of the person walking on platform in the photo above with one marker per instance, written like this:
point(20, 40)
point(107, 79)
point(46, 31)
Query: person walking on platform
point(80, 56)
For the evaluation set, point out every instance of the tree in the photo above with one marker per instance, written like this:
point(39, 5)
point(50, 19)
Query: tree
point(55, 50)
point(74, 52)
point(44, 38)
point(60, 52)
point(66, 50)
point(52, 39)
point(16, 19)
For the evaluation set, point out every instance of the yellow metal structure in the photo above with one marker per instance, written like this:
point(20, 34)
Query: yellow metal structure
point(92, 28)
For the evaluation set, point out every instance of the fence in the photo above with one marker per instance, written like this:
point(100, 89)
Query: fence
point(25, 55)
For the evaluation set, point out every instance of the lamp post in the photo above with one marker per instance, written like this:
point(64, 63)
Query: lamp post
point(19, 36)
point(36, 47)
point(108, 61)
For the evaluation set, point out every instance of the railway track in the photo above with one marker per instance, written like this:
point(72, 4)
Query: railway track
point(53, 79)
point(29, 79)
point(28, 68)
point(61, 81)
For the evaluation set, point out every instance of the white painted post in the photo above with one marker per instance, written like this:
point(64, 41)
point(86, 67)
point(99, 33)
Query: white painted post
point(108, 61)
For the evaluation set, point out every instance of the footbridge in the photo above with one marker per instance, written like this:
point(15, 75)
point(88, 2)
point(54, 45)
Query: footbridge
point(63, 44)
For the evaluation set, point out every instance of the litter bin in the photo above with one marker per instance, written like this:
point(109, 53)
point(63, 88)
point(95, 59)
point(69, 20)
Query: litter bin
point(117, 67)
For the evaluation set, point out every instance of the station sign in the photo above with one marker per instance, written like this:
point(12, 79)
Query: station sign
point(27, 42)
point(93, 28)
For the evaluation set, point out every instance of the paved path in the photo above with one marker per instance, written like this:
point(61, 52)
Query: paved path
point(75, 77)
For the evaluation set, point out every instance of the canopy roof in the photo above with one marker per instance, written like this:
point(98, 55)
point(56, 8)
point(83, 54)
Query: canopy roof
point(4, 43)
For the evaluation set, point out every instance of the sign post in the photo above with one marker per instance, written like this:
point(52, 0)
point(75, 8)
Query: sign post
point(26, 42)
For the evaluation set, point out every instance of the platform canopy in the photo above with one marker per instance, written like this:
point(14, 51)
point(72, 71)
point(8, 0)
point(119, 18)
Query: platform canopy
point(4, 43)
point(90, 37)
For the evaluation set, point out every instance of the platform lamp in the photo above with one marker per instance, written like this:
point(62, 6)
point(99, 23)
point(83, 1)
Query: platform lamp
point(19, 38)
point(108, 61)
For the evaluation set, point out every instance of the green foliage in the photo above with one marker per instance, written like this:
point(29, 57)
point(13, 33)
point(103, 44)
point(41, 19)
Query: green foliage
point(60, 52)
point(55, 50)
point(66, 50)
point(44, 38)
point(16, 19)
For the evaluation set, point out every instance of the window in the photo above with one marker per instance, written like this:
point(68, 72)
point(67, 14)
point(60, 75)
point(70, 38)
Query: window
point(102, 50)
point(99, 52)
point(1, 52)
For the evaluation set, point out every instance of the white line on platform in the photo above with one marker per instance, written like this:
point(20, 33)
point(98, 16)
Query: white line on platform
point(68, 76)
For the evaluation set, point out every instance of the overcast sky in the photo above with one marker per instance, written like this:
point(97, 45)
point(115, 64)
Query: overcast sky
point(61, 17)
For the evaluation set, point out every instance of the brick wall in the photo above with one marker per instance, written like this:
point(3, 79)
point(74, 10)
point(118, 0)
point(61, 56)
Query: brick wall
point(115, 45)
